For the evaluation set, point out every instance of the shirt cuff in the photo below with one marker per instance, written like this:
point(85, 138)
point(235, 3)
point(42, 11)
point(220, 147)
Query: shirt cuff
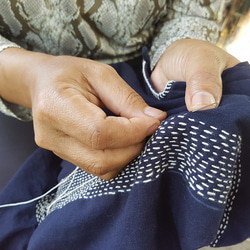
point(8, 108)
point(181, 28)
point(16, 111)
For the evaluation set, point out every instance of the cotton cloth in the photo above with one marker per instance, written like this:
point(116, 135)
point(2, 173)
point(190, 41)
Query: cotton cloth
point(187, 189)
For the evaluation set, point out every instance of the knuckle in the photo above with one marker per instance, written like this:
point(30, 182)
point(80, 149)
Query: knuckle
point(39, 140)
point(98, 138)
point(109, 68)
point(43, 110)
point(105, 70)
point(133, 99)
point(99, 164)
point(98, 168)
point(201, 79)
point(109, 176)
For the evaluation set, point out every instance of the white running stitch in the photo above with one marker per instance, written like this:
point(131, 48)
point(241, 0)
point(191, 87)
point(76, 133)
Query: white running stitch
point(156, 94)
point(206, 173)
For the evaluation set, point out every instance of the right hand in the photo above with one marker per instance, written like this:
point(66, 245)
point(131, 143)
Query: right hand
point(67, 95)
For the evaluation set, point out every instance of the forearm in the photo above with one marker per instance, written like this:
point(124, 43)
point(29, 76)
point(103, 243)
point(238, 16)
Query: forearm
point(18, 68)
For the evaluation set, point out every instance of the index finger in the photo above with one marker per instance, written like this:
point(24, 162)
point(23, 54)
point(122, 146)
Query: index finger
point(91, 126)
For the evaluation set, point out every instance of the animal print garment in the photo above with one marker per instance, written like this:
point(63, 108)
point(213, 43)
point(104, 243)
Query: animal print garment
point(108, 31)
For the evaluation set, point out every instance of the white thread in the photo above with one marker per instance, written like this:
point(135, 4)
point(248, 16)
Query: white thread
point(64, 194)
point(144, 63)
point(39, 197)
point(156, 94)
point(52, 203)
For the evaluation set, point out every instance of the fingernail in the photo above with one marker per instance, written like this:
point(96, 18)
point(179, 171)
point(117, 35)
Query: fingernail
point(153, 112)
point(202, 99)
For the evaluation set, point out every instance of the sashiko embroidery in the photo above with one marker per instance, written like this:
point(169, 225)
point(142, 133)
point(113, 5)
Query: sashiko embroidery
point(188, 188)
point(206, 157)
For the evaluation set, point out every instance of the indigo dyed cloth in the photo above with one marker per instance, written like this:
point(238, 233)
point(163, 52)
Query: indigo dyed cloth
point(189, 187)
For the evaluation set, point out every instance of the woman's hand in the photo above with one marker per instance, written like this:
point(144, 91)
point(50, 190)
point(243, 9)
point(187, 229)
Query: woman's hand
point(67, 95)
point(200, 64)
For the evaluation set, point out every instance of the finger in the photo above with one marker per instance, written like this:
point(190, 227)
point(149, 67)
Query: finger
point(203, 76)
point(170, 66)
point(99, 131)
point(204, 83)
point(118, 96)
point(103, 163)
point(86, 122)
point(204, 90)
point(159, 79)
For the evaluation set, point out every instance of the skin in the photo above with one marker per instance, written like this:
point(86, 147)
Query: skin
point(200, 64)
point(67, 95)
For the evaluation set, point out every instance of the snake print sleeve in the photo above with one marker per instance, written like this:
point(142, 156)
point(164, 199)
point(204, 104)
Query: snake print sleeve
point(4, 44)
point(7, 108)
point(108, 31)
point(187, 19)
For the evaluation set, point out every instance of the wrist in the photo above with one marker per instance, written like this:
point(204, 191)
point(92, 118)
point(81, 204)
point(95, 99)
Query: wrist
point(18, 72)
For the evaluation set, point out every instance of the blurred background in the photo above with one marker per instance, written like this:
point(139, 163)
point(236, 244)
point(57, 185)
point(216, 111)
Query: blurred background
point(235, 33)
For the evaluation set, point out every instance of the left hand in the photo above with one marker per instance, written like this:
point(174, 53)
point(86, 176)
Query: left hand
point(200, 64)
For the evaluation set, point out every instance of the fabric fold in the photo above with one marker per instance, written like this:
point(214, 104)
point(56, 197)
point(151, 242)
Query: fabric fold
point(187, 189)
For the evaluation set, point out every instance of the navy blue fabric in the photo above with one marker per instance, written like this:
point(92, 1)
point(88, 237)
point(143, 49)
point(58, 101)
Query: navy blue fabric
point(189, 188)
point(16, 144)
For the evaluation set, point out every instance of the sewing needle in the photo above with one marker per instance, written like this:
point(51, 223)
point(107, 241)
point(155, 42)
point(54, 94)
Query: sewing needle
point(207, 106)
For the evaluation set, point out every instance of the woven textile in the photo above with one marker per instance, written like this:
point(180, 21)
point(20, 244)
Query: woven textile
point(188, 188)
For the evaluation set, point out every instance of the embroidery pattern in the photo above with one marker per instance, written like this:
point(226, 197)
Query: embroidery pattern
point(205, 156)
point(230, 201)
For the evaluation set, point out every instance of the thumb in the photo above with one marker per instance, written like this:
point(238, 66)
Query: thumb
point(204, 89)
point(200, 64)
point(204, 82)
point(203, 76)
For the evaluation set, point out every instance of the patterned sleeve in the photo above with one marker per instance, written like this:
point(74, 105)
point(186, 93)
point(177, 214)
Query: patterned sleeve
point(8, 108)
point(187, 19)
